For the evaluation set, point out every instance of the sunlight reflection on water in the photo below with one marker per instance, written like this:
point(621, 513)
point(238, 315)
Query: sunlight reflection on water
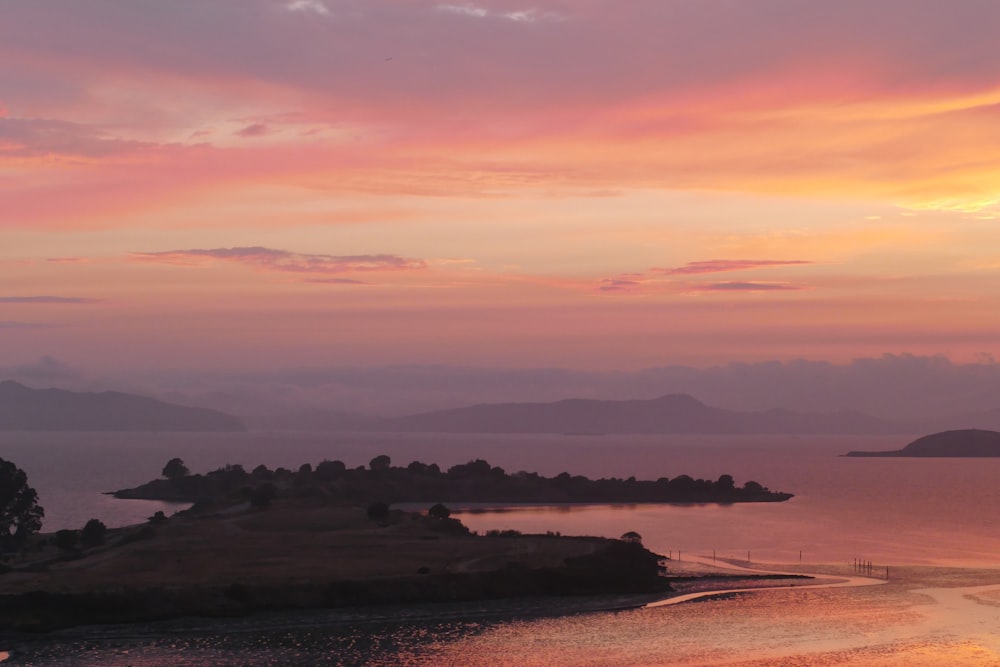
point(808, 628)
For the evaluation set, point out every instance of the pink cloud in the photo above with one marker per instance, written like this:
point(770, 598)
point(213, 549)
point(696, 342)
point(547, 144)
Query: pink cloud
point(270, 259)
point(723, 265)
point(46, 300)
point(740, 286)
point(618, 285)
point(254, 130)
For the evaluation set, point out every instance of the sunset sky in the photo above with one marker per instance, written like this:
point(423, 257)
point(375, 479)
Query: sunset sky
point(540, 183)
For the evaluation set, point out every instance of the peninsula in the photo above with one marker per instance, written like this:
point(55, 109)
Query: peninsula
point(473, 482)
point(328, 537)
point(962, 443)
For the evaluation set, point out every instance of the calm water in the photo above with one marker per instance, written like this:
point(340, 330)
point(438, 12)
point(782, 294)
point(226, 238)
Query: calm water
point(890, 511)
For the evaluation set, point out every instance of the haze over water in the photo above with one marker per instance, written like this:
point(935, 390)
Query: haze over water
point(894, 512)
point(891, 510)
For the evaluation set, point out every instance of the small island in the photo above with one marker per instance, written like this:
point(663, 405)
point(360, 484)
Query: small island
point(961, 443)
point(473, 482)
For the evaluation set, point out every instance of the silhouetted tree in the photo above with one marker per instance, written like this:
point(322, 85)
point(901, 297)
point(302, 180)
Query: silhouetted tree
point(380, 462)
point(330, 470)
point(632, 537)
point(175, 470)
point(20, 513)
point(416, 468)
point(262, 496)
point(439, 511)
point(725, 483)
point(93, 533)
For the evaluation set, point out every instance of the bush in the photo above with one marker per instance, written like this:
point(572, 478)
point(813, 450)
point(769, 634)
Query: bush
point(439, 511)
point(262, 496)
point(66, 539)
point(93, 533)
point(175, 470)
point(378, 511)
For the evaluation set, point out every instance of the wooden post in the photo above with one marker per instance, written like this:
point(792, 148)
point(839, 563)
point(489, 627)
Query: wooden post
point(748, 556)
point(713, 555)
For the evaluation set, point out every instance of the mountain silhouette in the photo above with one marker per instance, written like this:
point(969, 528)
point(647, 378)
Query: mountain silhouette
point(25, 409)
point(674, 413)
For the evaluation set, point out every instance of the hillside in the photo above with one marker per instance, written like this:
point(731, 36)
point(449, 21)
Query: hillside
point(25, 409)
point(964, 443)
point(674, 413)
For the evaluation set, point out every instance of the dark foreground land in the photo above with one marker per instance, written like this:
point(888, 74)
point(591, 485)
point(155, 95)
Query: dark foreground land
point(327, 538)
point(300, 555)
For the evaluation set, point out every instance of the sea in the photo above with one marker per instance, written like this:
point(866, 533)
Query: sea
point(930, 514)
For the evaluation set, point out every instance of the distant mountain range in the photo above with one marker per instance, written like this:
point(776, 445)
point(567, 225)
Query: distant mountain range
point(26, 409)
point(675, 413)
point(23, 408)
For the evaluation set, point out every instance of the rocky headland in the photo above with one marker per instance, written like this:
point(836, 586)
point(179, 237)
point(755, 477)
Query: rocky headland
point(964, 443)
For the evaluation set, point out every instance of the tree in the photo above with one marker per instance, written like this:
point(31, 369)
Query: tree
point(175, 470)
point(725, 483)
point(632, 537)
point(380, 462)
point(330, 470)
point(93, 533)
point(20, 514)
point(439, 511)
point(262, 497)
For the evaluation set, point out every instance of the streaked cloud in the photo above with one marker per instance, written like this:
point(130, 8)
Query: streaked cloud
point(723, 265)
point(46, 299)
point(272, 259)
point(618, 285)
point(530, 15)
point(336, 281)
point(13, 324)
point(311, 6)
point(740, 286)
point(254, 130)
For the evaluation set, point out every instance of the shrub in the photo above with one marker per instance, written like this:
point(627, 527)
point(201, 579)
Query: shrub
point(66, 539)
point(439, 511)
point(378, 511)
point(93, 533)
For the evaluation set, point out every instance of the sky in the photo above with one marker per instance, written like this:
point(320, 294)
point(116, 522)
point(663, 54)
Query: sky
point(581, 184)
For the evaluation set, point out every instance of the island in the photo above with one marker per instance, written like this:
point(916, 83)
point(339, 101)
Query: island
point(328, 536)
point(961, 443)
point(474, 482)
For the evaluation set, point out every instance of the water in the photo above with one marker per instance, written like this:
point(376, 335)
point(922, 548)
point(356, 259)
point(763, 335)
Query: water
point(896, 512)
